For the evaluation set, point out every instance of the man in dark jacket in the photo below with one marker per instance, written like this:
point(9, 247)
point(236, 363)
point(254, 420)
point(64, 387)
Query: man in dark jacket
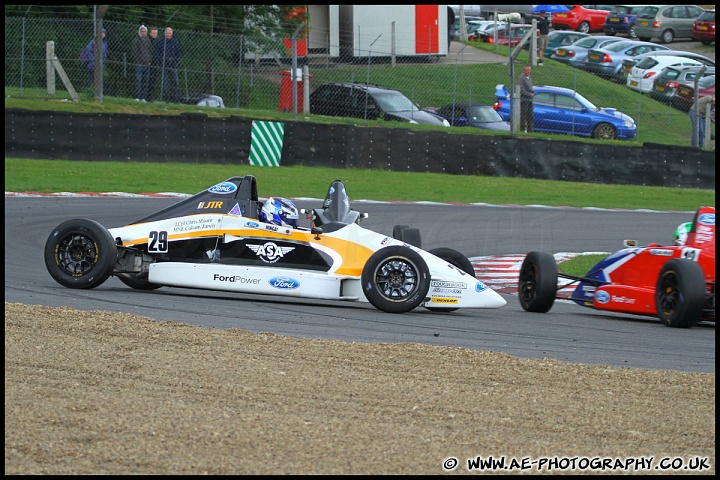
point(170, 52)
point(527, 120)
point(142, 51)
point(543, 29)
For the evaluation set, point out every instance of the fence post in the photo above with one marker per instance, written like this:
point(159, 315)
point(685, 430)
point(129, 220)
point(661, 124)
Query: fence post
point(50, 69)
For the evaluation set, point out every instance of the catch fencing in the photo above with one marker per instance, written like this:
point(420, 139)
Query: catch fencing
point(247, 71)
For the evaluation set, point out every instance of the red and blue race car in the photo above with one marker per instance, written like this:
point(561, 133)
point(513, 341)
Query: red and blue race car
point(675, 283)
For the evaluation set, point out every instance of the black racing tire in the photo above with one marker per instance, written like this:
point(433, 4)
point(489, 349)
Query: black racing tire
point(667, 36)
point(537, 283)
point(407, 234)
point(457, 259)
point(80, 254)
point(395, 279)
point(138, 281)
point(680, 293)
point(584, 27)
point(604, 131)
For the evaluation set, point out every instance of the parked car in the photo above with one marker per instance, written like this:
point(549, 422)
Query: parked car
point(369, 102)
point(669, 79)
point(622, 19)
point(506, 37)
point(454, 32)
point(203, 100)
point(704, 27)
point(684, 98)
point(575, 53)
point(473, 114)
point(562, 110)
point(666, 22)
point(583, 18)
point(607, 61)
point(642, 75)
point(559, 38)
point(629, 63)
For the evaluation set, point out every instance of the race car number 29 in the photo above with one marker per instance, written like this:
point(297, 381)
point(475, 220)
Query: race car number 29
point(158, 242)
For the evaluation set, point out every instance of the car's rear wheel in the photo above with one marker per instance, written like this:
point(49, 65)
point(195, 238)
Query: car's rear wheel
point(631, 31)
point(137, 281)
point(667, 36)
point(407, 234)
point(584, 27)
point(537, 283)
point(680, 293)
point(457, 259)
point(80, 254)
point(604, 131)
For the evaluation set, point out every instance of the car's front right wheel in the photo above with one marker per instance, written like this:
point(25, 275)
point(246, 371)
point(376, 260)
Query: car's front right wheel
point(604, 131)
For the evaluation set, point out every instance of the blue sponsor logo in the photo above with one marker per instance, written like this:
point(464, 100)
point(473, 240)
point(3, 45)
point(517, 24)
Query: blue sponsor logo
point(479, 287)
point(707, 219)
point(252, 224)
point(284, 283)
point(223, 188)
point(602, 296)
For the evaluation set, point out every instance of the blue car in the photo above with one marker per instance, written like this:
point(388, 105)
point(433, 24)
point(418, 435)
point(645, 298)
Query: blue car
point(561, 110)
point(622, 19)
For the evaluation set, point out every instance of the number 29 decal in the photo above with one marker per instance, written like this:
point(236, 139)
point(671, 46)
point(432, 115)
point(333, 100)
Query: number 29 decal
point(158, 242)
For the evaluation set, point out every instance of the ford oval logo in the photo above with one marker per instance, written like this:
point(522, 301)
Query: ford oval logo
point(223, 188)
point(707, 219)
point(252, 224)
point(602, 296)
point(284, 283)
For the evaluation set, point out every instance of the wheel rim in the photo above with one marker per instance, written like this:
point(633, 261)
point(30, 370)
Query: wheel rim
point(667, 37)
point(77, 254)
point(397, 278)
point(584, 27)
point(528, 281)
point(669, 297)
point(631, 33)
point(605, 132)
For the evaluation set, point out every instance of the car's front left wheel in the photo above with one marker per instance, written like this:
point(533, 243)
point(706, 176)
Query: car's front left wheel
point(395, 279)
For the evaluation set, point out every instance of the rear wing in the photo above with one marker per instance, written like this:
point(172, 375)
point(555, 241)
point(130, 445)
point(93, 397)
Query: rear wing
point(702, 233)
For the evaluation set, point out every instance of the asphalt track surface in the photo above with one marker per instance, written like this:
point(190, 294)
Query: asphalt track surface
point(568, 332)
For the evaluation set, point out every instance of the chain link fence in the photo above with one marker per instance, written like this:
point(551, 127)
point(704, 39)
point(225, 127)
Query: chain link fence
point(251, 72)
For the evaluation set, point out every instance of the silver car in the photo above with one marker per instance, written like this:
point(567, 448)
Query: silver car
point(666, 22)
point(607, 62)
point(576, 53)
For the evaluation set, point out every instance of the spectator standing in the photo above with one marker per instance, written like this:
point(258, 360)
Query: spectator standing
point(142, 50)
point(171, 52)
point(698, 121)
point(543, 28)
point(156, 61)
point(90, 56)
point(527, 121)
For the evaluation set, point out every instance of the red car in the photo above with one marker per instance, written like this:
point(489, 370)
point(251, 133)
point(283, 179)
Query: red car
point(684, 97)
point(704, 27)
point(583, 18)
point(674, 283)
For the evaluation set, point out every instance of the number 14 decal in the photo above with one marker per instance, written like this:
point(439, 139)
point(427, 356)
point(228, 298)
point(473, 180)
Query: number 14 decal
point(158, 242)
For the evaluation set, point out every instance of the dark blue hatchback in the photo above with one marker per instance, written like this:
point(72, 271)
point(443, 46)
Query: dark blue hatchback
point(561, 110)
point(621, 19)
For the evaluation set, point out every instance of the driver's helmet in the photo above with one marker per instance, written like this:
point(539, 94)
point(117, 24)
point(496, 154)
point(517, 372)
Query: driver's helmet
point(279, 211)
point(681, 233)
